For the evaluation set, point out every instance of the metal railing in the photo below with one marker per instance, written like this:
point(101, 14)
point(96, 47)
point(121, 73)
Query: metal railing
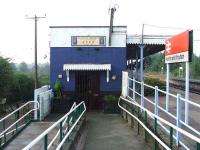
point(14, 122)
point(66, 125)
point(156, 119)
point(132, 93)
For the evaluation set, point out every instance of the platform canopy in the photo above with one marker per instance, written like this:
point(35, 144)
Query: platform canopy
point(152, 44)
point(87, 67)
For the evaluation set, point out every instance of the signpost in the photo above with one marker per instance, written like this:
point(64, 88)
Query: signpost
point(88, 40)
point(179, 49)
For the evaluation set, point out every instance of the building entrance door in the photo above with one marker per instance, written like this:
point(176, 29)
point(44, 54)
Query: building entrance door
point(87, 88)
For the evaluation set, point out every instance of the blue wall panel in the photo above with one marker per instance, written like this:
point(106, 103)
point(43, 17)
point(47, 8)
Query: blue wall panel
point(103, 55)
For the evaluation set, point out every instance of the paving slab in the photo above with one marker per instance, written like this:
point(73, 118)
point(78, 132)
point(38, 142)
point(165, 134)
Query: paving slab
point(32, 131)
point(111, 132)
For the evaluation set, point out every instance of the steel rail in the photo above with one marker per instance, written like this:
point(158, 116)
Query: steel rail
point(55, 137)
point(189, 135)
point(2, 133)
point(145, 127)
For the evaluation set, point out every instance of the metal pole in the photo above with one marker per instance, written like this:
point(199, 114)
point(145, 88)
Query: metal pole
point(178, 118)
point(111, 24)
point(136, 76)
point(141, 74)
point(167, 88)
point(36, 70)
point(35, 18)
point(187, 97)
point(133, 88)
point(141, 67)
point(155, 119)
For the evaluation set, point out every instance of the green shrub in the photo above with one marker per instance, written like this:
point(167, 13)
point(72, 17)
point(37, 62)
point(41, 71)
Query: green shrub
point(110, 104)
point(153, 82)
point(58, 88)
point(110, 98)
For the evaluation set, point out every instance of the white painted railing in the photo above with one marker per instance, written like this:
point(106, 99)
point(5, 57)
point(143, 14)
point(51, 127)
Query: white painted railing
point(17, 118)
point(132, 93)
point(163, 121)
point(72, 117)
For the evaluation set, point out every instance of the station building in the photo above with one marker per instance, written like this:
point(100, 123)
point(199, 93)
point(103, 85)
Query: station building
point(89, 61)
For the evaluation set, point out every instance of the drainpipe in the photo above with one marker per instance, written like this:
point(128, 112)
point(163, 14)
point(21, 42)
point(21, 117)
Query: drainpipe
point(111, 24)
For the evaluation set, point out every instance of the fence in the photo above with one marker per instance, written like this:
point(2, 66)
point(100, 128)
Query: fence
point(66, 125)
point(14, 123)
point(135, 91)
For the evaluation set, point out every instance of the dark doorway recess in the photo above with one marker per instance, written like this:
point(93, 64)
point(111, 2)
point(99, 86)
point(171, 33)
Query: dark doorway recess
point(87, 88)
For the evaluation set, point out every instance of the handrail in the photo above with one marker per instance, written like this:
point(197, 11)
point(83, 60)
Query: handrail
point(60, 121)
point(18, 110)
point(55, 137)
point(174, 96)
point(189, 135)
point(3, 119)
point(67, 135)
point(145, 127)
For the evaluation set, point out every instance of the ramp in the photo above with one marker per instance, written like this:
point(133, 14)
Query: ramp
point(26, 136)
point(32, 131)
point(111, 132)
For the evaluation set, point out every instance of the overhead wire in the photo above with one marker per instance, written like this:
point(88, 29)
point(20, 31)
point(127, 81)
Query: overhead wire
point(167, 27)
point(174, 28)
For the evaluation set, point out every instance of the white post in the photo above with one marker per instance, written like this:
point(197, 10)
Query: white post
point(136, 66)
point(67, 74)
point(141, 74)
point(35, 105)
point(178, 118)
point(142, 94)
point(107, 78)
point(156, 101)
point(167, 88)
point(134, 89)
point(127, 94)
point(187, 97)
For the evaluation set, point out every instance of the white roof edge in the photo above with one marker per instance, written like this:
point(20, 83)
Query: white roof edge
point(89, 67)
point(147, 39)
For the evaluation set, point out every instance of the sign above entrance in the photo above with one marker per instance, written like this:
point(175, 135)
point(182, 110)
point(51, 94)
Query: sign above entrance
point(88, 41)
point(179, 48)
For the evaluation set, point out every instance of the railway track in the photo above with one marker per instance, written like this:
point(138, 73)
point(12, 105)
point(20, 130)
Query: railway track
point(180, 84)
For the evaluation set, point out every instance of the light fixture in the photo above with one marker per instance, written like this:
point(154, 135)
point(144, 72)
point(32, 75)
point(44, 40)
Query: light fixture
point(113, 77)
point(60, 76)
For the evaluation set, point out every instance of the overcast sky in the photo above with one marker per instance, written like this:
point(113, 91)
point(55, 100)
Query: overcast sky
point(17, 32)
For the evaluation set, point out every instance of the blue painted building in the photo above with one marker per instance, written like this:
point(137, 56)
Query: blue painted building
point(87, 66)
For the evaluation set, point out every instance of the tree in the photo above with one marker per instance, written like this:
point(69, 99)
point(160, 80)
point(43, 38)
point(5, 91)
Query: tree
point(43, 74)
point(6, 76)
point(22, 88)
point(195, 66)
point(23, 67)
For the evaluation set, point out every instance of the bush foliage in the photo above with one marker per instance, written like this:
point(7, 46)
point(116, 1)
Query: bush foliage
point(153, 82)
point(110, 104)
point(17, 83)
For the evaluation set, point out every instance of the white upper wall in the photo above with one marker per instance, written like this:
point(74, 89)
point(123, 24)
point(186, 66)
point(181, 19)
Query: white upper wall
point(60, 36)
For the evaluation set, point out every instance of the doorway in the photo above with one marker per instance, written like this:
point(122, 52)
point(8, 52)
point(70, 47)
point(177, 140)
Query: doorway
point(87, 88)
